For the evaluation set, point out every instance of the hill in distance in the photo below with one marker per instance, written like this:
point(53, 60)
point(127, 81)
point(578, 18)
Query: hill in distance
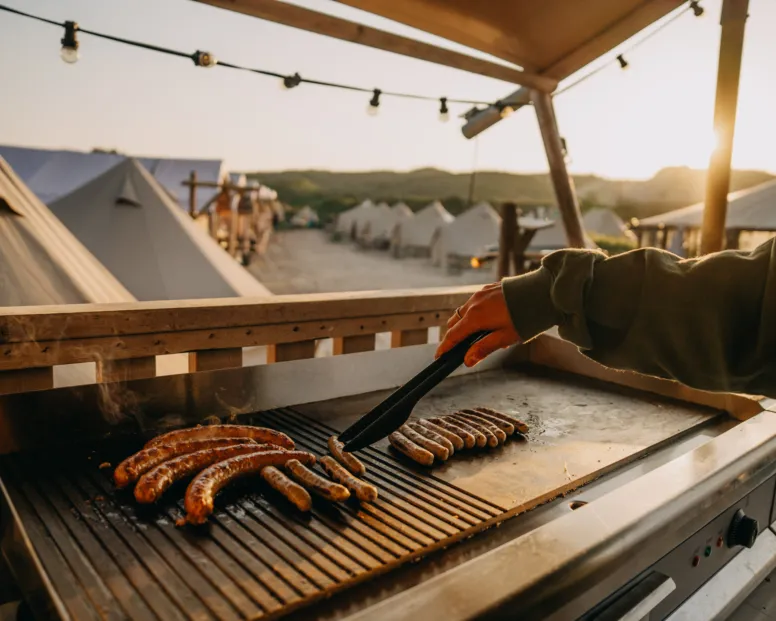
point(331, 192)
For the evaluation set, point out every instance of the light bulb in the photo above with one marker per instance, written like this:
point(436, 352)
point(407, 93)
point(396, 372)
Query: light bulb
point(506, 111)
point(204, 59)
point(372, 110)
point(374, 104)
point(444, 117)
point(69, 54)
point(624, 64)
point(444, 113)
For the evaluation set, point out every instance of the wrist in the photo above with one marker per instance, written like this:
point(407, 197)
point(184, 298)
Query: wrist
point(529, 302)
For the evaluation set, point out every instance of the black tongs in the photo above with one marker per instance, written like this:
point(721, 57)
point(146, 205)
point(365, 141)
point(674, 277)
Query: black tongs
point(392, 413)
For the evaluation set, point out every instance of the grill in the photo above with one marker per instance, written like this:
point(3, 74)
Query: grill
point(104, 557)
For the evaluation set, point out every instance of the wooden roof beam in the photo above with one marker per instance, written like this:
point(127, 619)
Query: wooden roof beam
point(330, 26)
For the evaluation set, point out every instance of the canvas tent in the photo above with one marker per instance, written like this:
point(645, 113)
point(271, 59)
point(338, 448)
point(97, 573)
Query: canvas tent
point(41, 262)
point(305, 217)
point(554, 237)
point(412, 238)
point(138, 232)
point(377, 226)
point(601, 221)
point(347, 221)
point(51, 174)
point(471, 234)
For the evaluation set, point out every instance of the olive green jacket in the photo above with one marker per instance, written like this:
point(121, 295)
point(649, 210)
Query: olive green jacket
point(709, 323)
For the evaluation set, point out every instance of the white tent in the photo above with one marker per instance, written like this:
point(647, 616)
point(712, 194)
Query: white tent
point(413, 237)
point(347, 221)
point(471, 234)
point(554, 237)
point(137, 231)
point(305, 217)
point(601, 221)
point(371, 225)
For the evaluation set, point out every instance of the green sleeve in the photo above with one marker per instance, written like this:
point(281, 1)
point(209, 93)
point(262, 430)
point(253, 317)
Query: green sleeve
point(709, 323)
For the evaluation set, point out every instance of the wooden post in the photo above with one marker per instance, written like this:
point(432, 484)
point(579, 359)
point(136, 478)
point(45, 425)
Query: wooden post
point(561, 181)
point(213, 359)
point(25, 380)
point(126, 369)
point(234, 220)
point(193, 194)
point(733, 22)
point(405, 338)
point(354, 344)
point(284, 352)
point(732, 239)
point(507, 240)
point(521, 243)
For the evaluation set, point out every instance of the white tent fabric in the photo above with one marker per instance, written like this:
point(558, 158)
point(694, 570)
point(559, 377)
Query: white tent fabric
point(601, 221)
point(373, 222)
point(138, 232)
point(753, 209)
point(51, 174)
point(554, 237)
point(41, 262)
point(350, 218)
point(471, 234)
point(414, 236)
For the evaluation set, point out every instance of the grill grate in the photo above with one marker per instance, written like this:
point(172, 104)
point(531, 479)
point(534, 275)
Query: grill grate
point(107, 558)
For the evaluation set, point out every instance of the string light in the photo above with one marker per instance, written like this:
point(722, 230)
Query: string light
point(69, 51)
point(291, 81)
point(504, 110)
point(374, 104)
point(444, 113)
point(622, 61)
point(204, 59)
point(697, 9)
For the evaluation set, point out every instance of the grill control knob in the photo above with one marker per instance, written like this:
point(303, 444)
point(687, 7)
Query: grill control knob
point(743, 530)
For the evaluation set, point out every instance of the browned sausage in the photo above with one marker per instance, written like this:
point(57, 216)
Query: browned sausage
point(416, 453)
point(507, 428)
point(316, 483)
point(131, 469)
point(455, 440)
point(203, 489)
point(439, 451)
point(294, 493)
point(155, 482)
point(262, 435)
point(350, 461)
point(491, 437)
point(494, 428)
point(467, 438)
point(433, 436)
point(480, 439)
point(519, 425)
point(363, 490)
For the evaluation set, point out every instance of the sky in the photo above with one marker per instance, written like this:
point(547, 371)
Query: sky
point(617, 124)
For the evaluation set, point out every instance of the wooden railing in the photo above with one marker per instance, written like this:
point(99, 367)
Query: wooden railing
point(125, 339)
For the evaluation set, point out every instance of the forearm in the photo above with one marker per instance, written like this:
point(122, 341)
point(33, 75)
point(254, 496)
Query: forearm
point(709, 323)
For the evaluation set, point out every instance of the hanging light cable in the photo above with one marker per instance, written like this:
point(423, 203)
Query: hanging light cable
point(69, 51)
point(444, 113)
point(374, 104)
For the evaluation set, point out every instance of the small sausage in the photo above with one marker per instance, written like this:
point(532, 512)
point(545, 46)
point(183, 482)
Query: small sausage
point(416, 453)
point(465, 436)
point(519, 425)
point(456, 441)
point(433, 436)
point(294, 493)
point(491, 437)
point(507, 428)
point(158, 480)
point(201, 492)
point(316, 483)
point(262, 435)
point(494, 428)
point(134, 466)
point(439, 451)
point(363, 490)
point(350, 461)
point(480, 439)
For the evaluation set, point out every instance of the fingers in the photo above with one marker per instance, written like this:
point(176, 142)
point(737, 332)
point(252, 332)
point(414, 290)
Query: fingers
point(456, 333)
point(486, 346)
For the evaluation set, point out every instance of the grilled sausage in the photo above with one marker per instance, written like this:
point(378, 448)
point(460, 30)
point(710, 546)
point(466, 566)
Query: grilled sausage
point(480, 439)
point(262, 435)
point(479, 426)
point(155, 482)
point(134, 466)
point(294, 493)
point(507, 428)
point(316, 483)
point(494, 428)
point(416, 453)
point(363, 491)
point(433, 436)
point(439, 451)
point(203, 489)
point(519, 425)
point(455, 440)
point(350, 461)
point(467, 438)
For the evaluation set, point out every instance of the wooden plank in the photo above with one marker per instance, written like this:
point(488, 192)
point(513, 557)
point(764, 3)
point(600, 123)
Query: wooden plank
point(125, 370)
point(405, 338)
point(284, 352)
point(24, 380)
point(52, 323)
point(354, 344)
point(330, 26)
point(507, 238)
point(214, 359)
point(66, 351)
point(193, 194)
point(561, 180)
point(731, 45)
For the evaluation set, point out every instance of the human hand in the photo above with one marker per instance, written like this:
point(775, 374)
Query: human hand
point(485, 310)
